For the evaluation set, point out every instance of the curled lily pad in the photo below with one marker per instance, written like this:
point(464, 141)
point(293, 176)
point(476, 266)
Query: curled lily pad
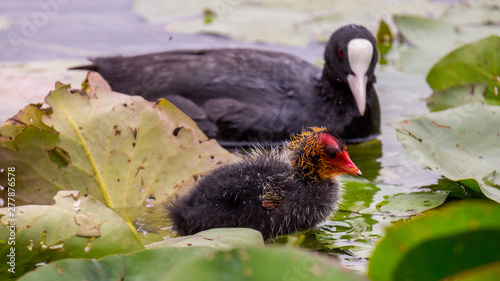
point(460, 143)
point(75, 226)
point(123, 150)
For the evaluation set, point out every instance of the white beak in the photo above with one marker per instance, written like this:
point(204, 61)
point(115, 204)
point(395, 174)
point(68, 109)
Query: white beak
point(360, 54)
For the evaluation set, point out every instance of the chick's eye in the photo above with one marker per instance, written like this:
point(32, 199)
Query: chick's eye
point(332, 153)
point(340, 53)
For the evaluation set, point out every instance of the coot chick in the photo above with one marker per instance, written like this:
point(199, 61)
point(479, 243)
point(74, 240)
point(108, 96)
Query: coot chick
point(274, 192)
point(242, 96)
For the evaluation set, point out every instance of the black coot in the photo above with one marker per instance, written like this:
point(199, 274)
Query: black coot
point(240, 96)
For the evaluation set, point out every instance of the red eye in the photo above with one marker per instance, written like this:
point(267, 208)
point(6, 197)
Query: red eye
point(340, 53)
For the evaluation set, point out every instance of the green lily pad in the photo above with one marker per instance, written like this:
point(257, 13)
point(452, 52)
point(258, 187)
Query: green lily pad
point(478, 62)
point(406, 204)
point(75, 226)
point(223, 238)
point(143, 265)
point(460, 143)
point(125, 151)
point(458, 237)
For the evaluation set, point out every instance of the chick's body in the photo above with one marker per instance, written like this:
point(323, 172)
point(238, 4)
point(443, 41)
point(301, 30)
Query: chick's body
point(275, 193)
point(235, 195)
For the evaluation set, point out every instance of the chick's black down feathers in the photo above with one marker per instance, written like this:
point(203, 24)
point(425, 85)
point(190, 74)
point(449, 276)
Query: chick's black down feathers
point(260, 192)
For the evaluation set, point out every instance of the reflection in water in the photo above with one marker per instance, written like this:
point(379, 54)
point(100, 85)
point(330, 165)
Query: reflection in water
point(366, 156)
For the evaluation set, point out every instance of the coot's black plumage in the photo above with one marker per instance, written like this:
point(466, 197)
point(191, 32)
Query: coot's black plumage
point(275, 193)
point(245, 95)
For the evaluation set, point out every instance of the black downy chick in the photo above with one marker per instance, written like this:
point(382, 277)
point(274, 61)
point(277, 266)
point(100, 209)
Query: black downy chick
point(274, 192)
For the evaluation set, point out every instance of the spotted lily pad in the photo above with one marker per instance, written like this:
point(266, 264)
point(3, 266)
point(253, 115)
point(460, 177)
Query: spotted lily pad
point(460, 143)
point(455, 238)
point(123, 150)
point(75, 226)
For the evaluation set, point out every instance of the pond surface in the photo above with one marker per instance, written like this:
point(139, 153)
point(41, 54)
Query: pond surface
point(392, 187)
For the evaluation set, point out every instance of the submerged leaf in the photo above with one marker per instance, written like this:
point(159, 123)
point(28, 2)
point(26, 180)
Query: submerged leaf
point(460, 143)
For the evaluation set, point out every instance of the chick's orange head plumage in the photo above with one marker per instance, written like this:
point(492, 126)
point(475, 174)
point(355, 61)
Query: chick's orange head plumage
point(317, 153)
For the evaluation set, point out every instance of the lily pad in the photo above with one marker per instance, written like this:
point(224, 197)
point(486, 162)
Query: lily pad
point(460, 143)
point(459, 236)
point(478, 62)
point(123, 150)
point(223, 238)
point(75, 226)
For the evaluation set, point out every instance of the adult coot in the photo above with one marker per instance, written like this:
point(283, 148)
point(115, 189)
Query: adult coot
point(275, 193)
point(240, 96)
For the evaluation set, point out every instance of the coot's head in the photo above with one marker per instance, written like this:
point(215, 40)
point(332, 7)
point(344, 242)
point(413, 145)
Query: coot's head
point(350, 58)
point(317, 154)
